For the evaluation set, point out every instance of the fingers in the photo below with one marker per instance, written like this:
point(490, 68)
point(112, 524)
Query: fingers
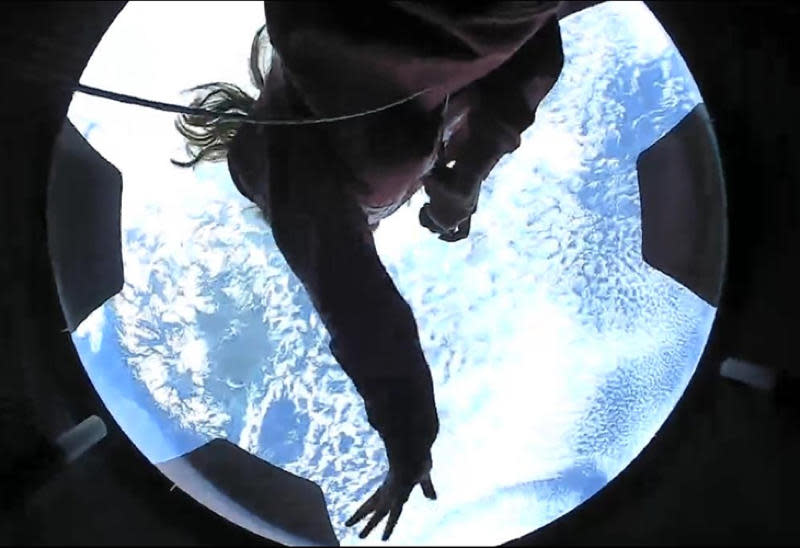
point(427, 488)
point(454, 237)
point(429, 222)
point(425, 219)
point(394, 515)
point(390, 502)
point(365, 509)
point(459, 234)
point(379, 514)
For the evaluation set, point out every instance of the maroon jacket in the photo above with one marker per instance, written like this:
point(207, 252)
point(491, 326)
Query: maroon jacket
point(487, 67)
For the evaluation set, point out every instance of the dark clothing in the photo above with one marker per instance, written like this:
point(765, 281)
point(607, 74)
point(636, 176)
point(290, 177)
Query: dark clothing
point(494, 61)
point(487, 66)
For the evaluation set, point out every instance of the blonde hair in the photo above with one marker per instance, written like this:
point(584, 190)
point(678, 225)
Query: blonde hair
point(208, 137)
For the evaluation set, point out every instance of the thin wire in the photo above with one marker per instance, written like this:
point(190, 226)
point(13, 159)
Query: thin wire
point(244, 118)
point(33, 74)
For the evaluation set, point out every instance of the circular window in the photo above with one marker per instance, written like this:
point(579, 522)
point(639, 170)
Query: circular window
point(556, 350)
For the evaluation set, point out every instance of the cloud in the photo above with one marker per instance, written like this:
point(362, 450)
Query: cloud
point(92, 327)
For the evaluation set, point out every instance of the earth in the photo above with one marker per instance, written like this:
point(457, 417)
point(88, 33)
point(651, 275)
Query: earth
point(556, 352)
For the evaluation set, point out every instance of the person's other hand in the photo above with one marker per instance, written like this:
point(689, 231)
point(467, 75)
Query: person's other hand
point(390, 498)
point(453, 199)
point(446, 233)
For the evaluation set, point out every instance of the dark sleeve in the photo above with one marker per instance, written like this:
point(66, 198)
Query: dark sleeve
point(323, 234)
point(507, 100)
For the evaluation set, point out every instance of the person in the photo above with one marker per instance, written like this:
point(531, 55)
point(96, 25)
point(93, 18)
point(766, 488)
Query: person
point(463, 82)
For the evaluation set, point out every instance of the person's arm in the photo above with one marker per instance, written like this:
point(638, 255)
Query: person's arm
point(302, 188)
point(508, 99)
point(505, 105)
point(323, 234)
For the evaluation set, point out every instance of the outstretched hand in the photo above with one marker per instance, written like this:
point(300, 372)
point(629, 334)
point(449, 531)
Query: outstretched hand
point(389, 499)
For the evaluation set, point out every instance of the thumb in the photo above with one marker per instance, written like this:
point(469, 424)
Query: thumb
point(427, 488)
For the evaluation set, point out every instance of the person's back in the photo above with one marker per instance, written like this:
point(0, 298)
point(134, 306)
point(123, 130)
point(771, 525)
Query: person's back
point(343, 60)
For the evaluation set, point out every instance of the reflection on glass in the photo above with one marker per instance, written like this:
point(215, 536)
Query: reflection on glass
point(556, 352)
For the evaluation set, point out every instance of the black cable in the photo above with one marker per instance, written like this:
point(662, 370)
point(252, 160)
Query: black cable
point(157, 105)
point(246, 119)
point(31, 73)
